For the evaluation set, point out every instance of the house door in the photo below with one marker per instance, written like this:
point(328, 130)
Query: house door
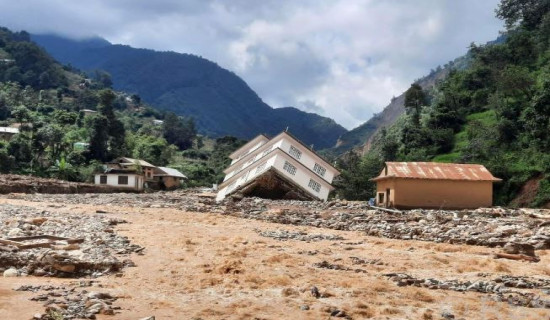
point(388, 198)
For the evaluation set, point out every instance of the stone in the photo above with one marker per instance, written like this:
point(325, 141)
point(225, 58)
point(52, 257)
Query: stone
point(315, 292)
point(520, 248)
point(304, 307)
point(11, 272)
point(15, 232)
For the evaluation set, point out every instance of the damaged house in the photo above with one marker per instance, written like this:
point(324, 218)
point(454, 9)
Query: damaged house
point(409, 185)
point(137, 174)
point(277, 168)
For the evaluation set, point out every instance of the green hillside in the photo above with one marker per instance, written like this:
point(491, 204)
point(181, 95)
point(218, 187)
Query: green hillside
point(45, 102)
point(496, 112)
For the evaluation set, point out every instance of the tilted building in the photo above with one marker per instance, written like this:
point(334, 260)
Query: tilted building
point(277, 168)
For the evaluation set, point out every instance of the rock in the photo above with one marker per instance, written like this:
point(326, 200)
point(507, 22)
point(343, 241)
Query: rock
point(70, 268)
point(304, 307)
point(519, 248)
point(11, 272)
point(447, 315)
point(315, 292)
point(15, 232)
point(148, 318)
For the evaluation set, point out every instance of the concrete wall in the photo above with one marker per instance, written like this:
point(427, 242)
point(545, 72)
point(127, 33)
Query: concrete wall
point(276, 159)
point(307, 159)
point(445, 194)
point(302, 177)
point(134, 181)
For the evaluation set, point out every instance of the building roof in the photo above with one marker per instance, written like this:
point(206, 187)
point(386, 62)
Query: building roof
point(130, 161)
point(119, 171)
point(249, 144)
point(436, 171)
point(267, 143)
point(9, 130)
point(170, 172)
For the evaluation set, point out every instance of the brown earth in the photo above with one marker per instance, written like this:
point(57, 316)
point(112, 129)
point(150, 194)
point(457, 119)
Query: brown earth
point(210, 266)
point(12, 183)
point(527, 193)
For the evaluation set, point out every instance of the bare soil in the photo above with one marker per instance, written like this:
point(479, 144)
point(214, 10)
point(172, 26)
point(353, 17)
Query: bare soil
point(211, 266)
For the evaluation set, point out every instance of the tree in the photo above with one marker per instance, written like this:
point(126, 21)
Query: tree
point(99, 138)
point(415, 98)
point(179, 131)
point(528, 13)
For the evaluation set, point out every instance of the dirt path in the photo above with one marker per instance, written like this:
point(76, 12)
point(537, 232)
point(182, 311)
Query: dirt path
point(207, 266)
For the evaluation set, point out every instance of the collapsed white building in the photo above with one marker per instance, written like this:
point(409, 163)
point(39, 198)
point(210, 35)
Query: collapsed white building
point(277, 168)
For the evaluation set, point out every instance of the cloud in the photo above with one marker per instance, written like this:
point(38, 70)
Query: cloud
point(341, 58)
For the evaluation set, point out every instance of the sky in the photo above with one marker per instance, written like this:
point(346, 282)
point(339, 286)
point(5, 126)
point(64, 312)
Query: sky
point(344, 59)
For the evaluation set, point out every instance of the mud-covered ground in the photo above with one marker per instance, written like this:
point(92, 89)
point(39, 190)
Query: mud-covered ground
point(259, 259)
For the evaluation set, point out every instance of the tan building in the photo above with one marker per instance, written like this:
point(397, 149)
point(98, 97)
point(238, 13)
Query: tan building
point(168, 178)
point(408, 185)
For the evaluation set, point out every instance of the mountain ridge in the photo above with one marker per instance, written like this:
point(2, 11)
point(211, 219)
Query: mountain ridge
point(220, 102)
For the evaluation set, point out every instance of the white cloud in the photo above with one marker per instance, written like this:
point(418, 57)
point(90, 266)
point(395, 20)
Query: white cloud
point(341, 58)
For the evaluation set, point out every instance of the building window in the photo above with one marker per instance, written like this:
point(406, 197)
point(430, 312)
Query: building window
point(295, 152)
point(289, 168)
point(123, 180)
point(261, 167)
point(103, 179)
point(314, 185)
point(319, 170)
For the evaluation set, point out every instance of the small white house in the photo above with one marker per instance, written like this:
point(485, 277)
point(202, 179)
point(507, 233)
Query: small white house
point(121, 178)
point(281, 167)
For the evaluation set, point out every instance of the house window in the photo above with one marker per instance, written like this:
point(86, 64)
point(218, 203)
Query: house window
point(289, 168)
point(319, 170)
point(102, 179)
point(295, 152)
point(314, 185)
point(261, 167)
point(123, 180)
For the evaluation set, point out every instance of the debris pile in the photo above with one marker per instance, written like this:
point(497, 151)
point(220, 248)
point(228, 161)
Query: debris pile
point(504, 288)
point(61, 302)
point(491, 227)
point(284, 235)
point(44, 243)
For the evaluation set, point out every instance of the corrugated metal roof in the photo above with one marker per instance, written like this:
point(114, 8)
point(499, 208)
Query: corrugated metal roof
point(170, 172)
point(436, 171)
point(142, 163)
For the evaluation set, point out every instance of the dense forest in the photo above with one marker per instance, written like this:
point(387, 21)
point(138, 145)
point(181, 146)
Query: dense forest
point(70, 122)
point(495, 112)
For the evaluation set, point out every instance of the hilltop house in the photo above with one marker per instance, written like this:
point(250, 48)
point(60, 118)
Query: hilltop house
point(6, 133)
point(138, 174)
point(281, 167)
point(408, 185)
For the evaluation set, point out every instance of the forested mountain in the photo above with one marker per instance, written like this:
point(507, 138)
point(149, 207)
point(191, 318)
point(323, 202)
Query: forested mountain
point(44, 105)
point(495, 112)
point(220, 102)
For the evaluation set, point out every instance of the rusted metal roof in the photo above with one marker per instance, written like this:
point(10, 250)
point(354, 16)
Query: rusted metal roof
point(436, 171)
